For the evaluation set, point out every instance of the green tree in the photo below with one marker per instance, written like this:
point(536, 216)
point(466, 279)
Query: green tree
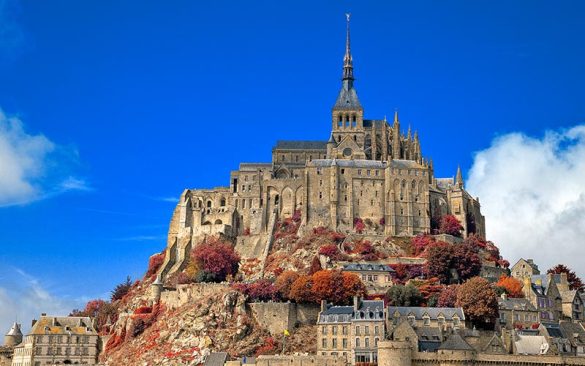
point(401, 295)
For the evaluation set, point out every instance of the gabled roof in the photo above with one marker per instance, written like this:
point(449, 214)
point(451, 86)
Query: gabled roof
point(456, 343)
point(300, 145)
point(63, 325)
point(569, 296)
point(367, 267)
point(433, 313)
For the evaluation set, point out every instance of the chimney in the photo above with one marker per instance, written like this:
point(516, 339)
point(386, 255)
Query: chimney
point(504, 296)
point(564, 280)
point(43, 314)
point(531, 261)
point(356, 303)
point(323, 305)
point(34, 321)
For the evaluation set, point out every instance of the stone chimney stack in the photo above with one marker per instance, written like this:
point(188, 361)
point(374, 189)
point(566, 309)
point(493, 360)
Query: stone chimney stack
point(323, 305)
point(504, 296)
point(356, 303)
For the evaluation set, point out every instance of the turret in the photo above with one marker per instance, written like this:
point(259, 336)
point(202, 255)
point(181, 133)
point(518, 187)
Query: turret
point(14, 336)
point(156, 290)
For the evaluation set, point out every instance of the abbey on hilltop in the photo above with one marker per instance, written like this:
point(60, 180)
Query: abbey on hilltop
point(367, 169)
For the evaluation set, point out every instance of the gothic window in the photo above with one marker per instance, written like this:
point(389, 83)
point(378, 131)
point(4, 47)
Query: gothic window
point(209, 204)
point(276, 199)
point(222, 202)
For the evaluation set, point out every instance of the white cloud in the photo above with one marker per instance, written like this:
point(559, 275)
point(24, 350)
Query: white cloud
point(32, 167)
point(532, 192)
point(23, 297)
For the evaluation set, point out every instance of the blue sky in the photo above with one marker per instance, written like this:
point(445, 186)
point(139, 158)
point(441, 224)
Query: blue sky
point(116, 107)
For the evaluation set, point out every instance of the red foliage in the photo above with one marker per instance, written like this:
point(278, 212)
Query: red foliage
point(143, 310)
point(296, 217)
point(448, 297)
point(330, 250)
point(247, 231)
point(217, 258)
point(269, 347)
point(420, 242)
point(358, 225)
point(284, 283)
point(478, 300)
point(260, 290)
point(466, 261)
point(154, 264)
point(512, 286)
point(301, 289)
point(450, 225)
point(315, 265)
point(439, 256)
point(535, 326)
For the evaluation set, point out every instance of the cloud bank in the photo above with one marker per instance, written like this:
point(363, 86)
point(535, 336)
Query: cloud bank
point(23, 297)
point(32, 167)
point(532, 192)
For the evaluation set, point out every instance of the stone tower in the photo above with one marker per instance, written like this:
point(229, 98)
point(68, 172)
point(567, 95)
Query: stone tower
point(14, 336)
point(394, 353)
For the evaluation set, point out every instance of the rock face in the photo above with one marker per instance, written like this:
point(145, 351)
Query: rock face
point(187, 334)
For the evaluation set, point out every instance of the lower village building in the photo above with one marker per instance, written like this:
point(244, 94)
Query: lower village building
point(351, 331)
point(58, 340)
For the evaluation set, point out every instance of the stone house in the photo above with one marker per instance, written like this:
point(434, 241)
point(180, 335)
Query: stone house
point(417, 317)
point(575, 334)
point(376, 277)
point(63, 340)
point(351, 331)
point(572, 302)
point(517, 313)
point(524, 268)
point(368, 169)
point(544, 295)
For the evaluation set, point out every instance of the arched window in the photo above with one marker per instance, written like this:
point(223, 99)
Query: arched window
point(222, 202)
point(209, 204)
point(218, 222)
point(276, 199)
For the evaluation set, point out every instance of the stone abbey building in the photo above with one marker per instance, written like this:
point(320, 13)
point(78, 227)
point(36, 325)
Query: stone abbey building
point(366, 169)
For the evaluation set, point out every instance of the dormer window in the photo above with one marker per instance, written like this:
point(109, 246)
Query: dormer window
point(426, 320)
point(411, 320)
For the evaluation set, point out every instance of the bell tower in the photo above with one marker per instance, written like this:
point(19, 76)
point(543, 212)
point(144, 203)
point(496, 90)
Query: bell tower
point(347, 113)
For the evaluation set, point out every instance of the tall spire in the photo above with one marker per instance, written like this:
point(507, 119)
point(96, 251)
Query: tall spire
point(347, 60)
point(459, 178)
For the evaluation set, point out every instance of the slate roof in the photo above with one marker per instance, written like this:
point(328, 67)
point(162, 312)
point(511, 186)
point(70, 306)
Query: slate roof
point(367, 267)
point(300, 145)
point(14, 330)
point(570, 329)
point(456, 343)
point(433, 313)
point(252, 167)
point(63, 325)
point(216, 359)
point(347, 99)
point(515, 304)
point(368, 310)
point(568, 296)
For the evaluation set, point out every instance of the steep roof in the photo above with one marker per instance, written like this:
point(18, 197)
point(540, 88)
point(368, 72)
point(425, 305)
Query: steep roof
point(347, 99)
point(573, 332)
point(433, 313)
point(14, 330)
point(63, 325)
point(300, 145)
point(456, 343)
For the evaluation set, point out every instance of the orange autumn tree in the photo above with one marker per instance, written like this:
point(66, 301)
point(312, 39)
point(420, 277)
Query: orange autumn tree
point(512, 286)
point(285, 281)
point(331, 285)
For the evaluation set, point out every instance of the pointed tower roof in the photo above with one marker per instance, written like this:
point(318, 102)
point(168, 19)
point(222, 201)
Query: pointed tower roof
point(347, 98)
point(459, 178)
point(14, 330)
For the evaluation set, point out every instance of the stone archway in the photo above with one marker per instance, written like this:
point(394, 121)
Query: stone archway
point(287, 206)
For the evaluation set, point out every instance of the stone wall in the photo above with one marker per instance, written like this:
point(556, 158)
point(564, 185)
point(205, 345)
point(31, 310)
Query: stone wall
point(183, 294)
point(399, 353)
point(278, 316)
point(311, 360)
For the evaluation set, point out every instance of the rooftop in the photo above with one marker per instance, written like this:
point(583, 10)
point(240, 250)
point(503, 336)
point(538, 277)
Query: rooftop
point(419, 312)
point(63, 325)
point(367, 267)
point(300, 145)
